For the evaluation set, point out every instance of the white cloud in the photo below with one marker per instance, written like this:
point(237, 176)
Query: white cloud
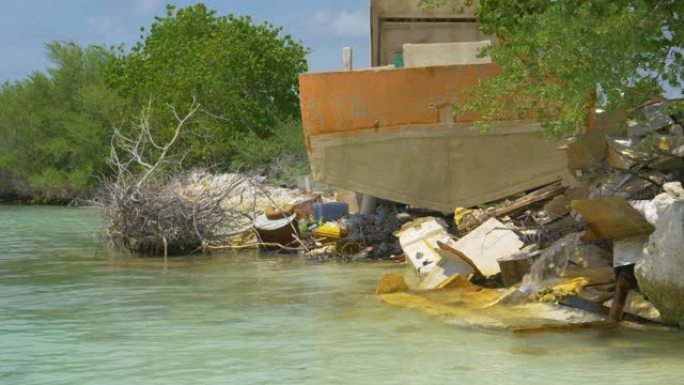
point(145, 7)
point(342, 23)
point(115, 25)
point(106, 30)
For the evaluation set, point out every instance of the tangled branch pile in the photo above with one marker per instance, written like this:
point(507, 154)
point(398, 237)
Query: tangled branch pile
point(171, 218)
point(153, 214)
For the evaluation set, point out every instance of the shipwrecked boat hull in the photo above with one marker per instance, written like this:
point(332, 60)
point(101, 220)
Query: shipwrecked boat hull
point(393, 134)
point(438, 167)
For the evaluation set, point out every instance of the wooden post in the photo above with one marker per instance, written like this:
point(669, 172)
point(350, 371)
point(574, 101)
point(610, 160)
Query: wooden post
point(166, 252)
point(347, 59)
point(623, 284)
point(307, 184)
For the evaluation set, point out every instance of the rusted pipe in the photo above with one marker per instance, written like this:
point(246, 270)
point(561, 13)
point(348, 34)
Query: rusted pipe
point(624, 282)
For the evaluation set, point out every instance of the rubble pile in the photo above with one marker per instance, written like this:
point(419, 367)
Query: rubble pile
point(608, 242)
point(605, 243)
point(356, 237)
point(321, 228)
point(374, 233)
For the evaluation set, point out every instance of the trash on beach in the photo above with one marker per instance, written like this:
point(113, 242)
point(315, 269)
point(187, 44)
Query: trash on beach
point(420, 241)
point(487, 243)
point(330, 232)
point(329, 211)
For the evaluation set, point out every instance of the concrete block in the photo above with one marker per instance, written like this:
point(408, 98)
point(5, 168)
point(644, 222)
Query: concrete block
point(440, 54)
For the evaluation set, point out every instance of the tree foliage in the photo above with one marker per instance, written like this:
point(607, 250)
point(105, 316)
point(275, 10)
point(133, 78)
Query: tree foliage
point(559, 57)
point(56, 126)
point(244, 75)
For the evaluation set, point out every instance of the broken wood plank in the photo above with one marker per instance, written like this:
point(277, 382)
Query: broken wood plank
point(542, 194)
point(508, 207)
point(611, 218)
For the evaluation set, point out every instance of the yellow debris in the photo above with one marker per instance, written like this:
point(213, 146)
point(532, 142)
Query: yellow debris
point(415, 301)
point(575, 284)
point(391, 283)
point(460, 213)
point(557, 293)
point(453, 299)
point(330, 231)
point(456, 282)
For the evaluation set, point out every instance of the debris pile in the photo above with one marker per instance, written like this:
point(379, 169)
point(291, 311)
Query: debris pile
point(356, 237)
point(314, 224)
point(600, 243)
point(372, 233)
point(608, 243)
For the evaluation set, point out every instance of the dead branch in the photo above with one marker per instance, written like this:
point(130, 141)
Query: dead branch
point(154, 209)
point(152, 215)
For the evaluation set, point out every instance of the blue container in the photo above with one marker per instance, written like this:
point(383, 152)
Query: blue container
point(330, 211)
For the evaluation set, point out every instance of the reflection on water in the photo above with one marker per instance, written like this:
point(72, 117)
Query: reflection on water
point(72, 314)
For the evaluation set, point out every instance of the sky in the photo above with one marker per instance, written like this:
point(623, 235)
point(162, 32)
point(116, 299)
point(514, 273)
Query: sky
point(324, 26)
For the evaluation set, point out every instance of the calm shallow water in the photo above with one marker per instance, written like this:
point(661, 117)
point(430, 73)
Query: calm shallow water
point(72, 314)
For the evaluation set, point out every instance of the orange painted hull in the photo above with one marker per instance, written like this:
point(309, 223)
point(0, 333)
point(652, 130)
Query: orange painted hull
point(393, 134)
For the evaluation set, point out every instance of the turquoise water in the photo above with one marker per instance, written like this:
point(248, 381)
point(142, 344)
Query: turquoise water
point(72, 314)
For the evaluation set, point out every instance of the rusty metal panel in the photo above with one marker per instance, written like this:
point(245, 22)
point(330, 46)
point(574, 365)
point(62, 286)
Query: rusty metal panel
point(392, 134)
point(348, 101)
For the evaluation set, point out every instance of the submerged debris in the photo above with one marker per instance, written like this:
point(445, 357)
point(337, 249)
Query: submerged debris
point(392, 283)
point(554, 295)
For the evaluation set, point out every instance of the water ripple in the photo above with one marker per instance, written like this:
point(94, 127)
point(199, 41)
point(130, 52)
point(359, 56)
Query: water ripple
point(71, 315)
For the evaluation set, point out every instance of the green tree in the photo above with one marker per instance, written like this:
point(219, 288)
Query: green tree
point(57, 126)
point(244, 75)
point(558, 57)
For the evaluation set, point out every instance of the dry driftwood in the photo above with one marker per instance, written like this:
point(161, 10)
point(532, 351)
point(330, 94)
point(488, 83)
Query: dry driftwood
point(151, 213)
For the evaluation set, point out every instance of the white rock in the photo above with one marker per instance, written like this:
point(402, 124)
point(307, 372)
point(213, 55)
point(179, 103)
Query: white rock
point(674, 189)
point(660, 273)
point(653, 209)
